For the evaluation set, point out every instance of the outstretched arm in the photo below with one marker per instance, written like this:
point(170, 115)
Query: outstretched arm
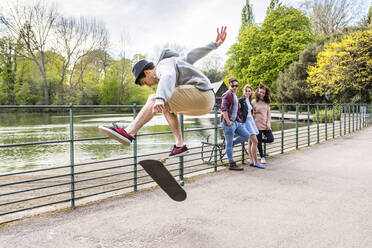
point(198, 53)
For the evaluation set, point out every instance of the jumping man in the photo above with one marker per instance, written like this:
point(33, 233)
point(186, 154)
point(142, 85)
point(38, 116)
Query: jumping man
point(182, 89)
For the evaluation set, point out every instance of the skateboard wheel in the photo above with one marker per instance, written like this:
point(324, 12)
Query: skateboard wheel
point(163, 160)
point(182, 183)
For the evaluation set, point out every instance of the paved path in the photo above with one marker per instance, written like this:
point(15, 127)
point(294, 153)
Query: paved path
point(316, 197)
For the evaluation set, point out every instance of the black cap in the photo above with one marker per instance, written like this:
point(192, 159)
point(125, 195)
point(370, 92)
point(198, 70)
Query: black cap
point(138, 68)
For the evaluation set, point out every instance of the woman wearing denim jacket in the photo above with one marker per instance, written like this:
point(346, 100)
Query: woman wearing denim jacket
point(262, 118)
point(247, 114)
point(231, 121)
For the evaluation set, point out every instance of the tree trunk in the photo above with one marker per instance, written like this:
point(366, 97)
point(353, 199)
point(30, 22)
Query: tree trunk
point(43, 73)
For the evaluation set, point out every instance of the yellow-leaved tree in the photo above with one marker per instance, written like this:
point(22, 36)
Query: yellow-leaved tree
point(343, 72)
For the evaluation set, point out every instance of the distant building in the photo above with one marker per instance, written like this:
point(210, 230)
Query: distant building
point(219, 88)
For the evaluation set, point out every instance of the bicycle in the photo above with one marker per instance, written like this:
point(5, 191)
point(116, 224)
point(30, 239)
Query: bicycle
point(208, 154)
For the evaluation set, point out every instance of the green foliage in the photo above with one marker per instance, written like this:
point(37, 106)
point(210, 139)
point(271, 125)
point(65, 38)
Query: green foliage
point(7, 71)
point(247, 15)
point(263, 51)
point(343, 70)
point(322, 115)
point(274, 4)
point(28, 87)
point(96, 79)
point(118, 86)
point(291, 85)
point(109, 89)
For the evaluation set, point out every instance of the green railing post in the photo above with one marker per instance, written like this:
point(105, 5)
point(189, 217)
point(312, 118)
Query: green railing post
point(353, 117)
point(72, 157)
point(135, 178)
point(297, 125)
point(357, 117)
point(360, 116)
point(308, 124)
point(339, 111)
point(364, 115)
point(348, 109)
point(282, 129)
point(326, 121)
point(215, 136)
point(264, 148)
point(181, 158)
point(344, 118)
point(333, 120)
point(317, 123)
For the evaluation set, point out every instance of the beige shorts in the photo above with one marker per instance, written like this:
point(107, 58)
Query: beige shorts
point(188, 100)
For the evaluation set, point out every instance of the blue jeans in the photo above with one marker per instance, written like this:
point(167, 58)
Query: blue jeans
point(229, 132)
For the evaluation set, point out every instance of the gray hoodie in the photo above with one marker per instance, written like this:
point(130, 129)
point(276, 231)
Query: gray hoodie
point(174, 71)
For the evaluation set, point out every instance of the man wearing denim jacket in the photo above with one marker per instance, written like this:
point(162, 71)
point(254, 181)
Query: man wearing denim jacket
point(182, 89)
point(231, 122)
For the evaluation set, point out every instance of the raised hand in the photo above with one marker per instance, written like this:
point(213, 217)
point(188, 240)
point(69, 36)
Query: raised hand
point(221, 36)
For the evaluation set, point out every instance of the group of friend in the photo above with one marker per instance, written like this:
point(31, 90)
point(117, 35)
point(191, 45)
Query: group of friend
point(249, 120)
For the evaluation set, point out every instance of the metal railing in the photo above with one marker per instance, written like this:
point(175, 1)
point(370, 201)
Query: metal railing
point(29, 192)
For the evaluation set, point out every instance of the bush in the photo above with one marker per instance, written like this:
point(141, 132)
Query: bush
point(329, 115)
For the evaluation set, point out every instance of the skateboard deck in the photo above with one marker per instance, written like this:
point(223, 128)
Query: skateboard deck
point(164, 179)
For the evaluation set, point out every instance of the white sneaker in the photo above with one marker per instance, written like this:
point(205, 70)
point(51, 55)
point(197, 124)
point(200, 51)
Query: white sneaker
point(263, 160)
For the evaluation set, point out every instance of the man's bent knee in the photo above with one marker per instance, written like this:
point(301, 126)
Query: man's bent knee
point(151, 99)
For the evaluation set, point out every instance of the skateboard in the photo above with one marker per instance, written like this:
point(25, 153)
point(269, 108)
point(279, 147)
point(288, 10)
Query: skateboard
point(164, 179)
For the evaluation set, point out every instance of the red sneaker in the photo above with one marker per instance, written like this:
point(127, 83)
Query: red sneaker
point(178, 151)
point(117, 133)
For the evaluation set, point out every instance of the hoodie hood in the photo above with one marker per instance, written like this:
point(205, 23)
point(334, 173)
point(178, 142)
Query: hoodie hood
point(167, 53)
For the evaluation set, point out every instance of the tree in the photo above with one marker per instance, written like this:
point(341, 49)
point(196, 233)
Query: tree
point(343, 70)
point(212, 67)
point(77, 38)
point(118, 86)
point(247, 15)
point(274, 4)
point(291, 85)
point(263, 51)
point(28, 87)
point(367, 20)
point(331, 16)
point(32, 25)
point(8, 67)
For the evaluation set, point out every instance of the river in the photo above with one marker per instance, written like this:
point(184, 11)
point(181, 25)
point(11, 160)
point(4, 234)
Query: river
point(35, 127)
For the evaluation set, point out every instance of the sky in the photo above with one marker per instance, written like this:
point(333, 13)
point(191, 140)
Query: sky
point(144, 26)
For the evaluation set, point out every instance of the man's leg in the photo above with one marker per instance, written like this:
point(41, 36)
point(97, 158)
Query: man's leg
point(229, 131)
point(126, 136)
point(175, 126)
point(242, 132)
point(144, 116)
